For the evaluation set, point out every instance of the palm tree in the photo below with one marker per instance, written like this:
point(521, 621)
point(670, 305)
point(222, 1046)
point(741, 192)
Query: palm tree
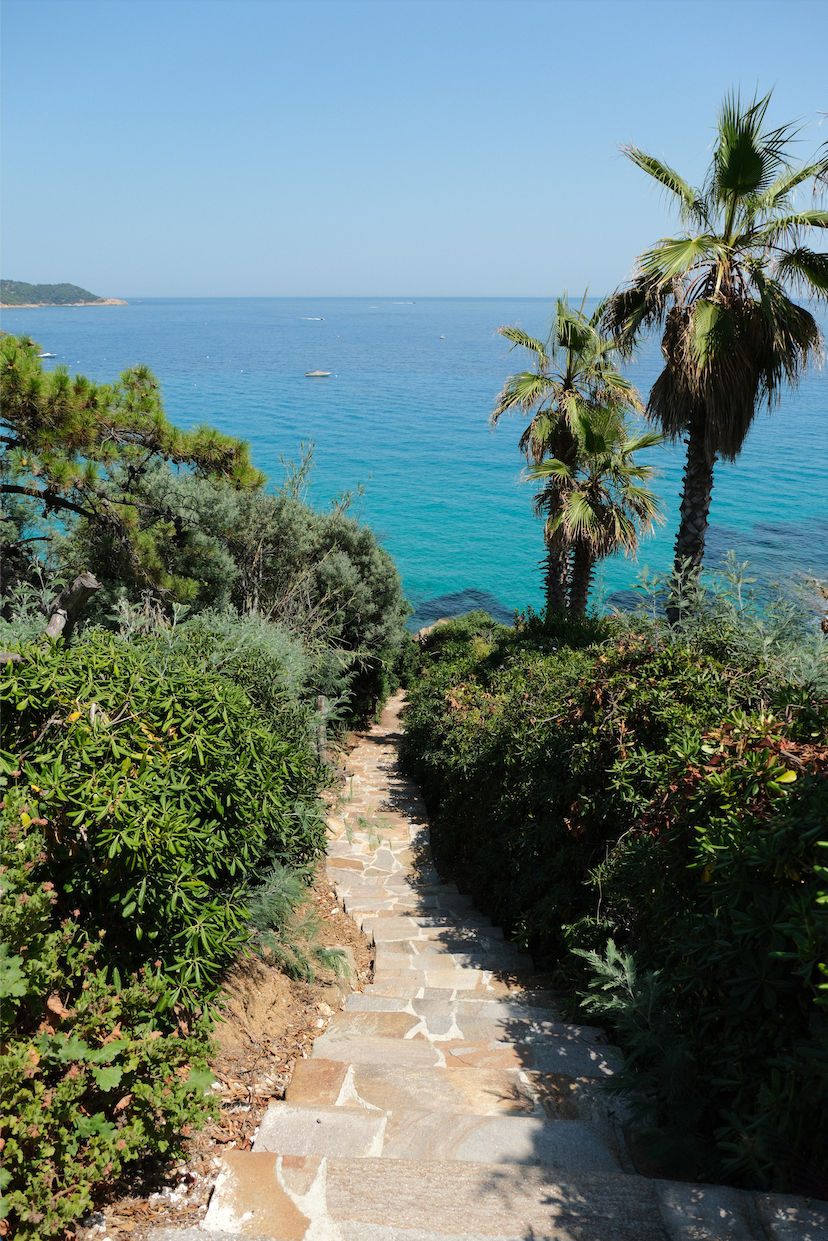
point(575, 364)
point(733, 337)
point(600, 505)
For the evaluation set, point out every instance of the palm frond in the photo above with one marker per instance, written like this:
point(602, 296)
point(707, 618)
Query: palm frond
point(806, 270)
point(522, 391)
point(789, 227)
point(521, 339)
point(778, 193)
point(551, 468)
point(667, 177)
point(675, 256)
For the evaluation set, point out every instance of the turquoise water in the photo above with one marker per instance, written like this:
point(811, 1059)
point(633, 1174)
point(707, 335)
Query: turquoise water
point(405, 414)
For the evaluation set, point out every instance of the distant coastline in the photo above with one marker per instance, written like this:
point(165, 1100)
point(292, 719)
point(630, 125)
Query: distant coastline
point(101, 301)
point(16, 294)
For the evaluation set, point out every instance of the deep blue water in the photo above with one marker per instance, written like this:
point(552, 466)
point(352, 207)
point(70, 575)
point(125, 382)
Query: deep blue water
point(405, 414)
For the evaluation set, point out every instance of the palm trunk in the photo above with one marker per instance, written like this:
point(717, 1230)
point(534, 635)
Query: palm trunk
point(583, 564)
point(695, 506)
point(555, 578)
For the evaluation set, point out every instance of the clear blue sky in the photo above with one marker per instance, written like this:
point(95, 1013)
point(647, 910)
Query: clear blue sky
point(440, 147)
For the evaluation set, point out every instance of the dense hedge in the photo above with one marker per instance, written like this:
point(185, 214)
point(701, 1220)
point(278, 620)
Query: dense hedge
point(162, 787)
point(155, 787)
point(595, 784)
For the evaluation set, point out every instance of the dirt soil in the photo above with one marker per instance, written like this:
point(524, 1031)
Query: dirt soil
point(271, 1022)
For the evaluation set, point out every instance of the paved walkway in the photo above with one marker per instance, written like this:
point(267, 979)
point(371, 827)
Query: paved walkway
point(448, 1100)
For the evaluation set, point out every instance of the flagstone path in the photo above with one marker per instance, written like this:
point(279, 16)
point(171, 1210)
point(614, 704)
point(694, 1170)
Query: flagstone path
point(448, 1100)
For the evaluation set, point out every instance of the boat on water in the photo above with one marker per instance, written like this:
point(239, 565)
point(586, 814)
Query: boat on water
point(318, 374)
point(47, 355)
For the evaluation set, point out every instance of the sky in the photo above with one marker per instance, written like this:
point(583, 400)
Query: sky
point(445, 148)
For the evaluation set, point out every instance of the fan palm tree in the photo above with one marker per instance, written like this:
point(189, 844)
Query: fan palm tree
point(732, 335)
point(600, 505)
point(575, 364)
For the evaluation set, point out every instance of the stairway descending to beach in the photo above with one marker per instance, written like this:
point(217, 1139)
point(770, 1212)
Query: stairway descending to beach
point(448, 1100)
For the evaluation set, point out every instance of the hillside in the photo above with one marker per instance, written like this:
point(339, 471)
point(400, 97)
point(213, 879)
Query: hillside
point(18, 293)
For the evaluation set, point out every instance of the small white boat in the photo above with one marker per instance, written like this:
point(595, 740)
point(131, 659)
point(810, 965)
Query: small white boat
point(313, 318)
point(48, 355)
point(318, 374)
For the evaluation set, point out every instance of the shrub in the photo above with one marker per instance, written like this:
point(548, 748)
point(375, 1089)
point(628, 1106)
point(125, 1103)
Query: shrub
point(95, 1068)
point(667, 791)
point(163, 788)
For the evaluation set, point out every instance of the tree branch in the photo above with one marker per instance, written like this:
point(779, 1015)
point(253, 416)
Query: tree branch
point(65, 609)
point(48, 498)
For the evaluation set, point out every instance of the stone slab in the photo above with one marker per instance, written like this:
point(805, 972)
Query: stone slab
point(785, 1218)
point(398, 1053)
point(399, 986)
point(316, 1083)
point(455, 1199)
point(518, 1029)
point(424, 927)
point(706, 1212)
point(373, 1024)
point(360, 1002)
point(573, 1058)
point(568, 1146)
point(472, 959)
point(520, 1005)
point(289, 1129)
point(444, 978)
point(481, 1092)
point(250, 1199)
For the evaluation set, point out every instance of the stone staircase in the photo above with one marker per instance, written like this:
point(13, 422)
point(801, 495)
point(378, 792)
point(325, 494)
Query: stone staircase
point(448, 1100)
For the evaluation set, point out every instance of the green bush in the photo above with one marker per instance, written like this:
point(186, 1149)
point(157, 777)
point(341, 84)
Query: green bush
point(668, 792)
point(164, 789)
point(325, 578)
point(95, 1068)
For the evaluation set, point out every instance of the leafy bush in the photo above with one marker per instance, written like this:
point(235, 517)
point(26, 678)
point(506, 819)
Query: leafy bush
point(163, 788)
point(95, 1069)
point(324, 577)
point(666, 791)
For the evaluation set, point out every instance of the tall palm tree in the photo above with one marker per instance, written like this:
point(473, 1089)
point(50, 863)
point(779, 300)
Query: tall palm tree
point(732, 335)
point(600, 505)
point(575, 364)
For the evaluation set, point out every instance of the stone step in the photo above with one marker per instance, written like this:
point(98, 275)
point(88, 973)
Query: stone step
point(479, 1019)
point(318, 1082)
point(442, 977)
point(481, 1092)
point(395, 885)
point(533, 1005)
point(574, 1057)
point(432, 926)
point(345, 1132)
point(384, 904)
point(297, 1198)
point(491, 955)
point(392, 1053)
point(489, 986)
point(385, 1044)
point(381, 853)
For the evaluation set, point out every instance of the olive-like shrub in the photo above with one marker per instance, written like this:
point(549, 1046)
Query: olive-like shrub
point(655, 801)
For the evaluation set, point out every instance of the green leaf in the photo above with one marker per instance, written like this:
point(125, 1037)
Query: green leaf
point(12, 978)
point(107, 1077)
point(200, 1080)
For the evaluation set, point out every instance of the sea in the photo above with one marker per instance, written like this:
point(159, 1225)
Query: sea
point(402, 426)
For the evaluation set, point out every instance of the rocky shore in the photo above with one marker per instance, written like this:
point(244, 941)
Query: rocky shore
point(101, 301)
